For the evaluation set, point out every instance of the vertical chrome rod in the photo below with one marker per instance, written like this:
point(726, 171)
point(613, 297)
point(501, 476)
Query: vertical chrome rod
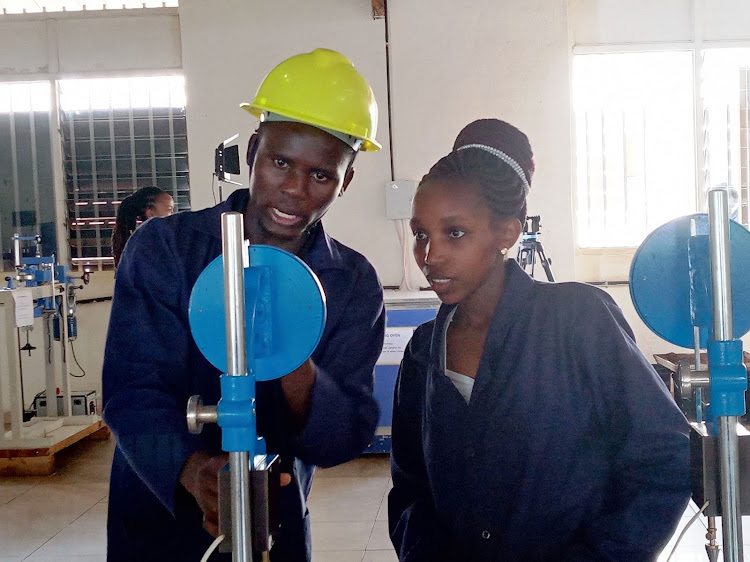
point(696, 329)
point(721, 282)
point(721, 285)
point(232, 244)
point(16, 250)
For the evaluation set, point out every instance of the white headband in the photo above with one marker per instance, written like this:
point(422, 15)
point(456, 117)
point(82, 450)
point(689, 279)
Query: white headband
point(505, 158)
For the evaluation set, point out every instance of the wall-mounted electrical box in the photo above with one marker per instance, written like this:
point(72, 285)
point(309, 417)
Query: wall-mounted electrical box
point(398, 198)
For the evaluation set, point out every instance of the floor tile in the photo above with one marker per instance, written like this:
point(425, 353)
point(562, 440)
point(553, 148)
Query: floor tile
point(380, 556)
point(11, 490)
point(339, 535)
point(346, 499)
point(31, 519)
point(364, 467)
point(341, 556)
point(59, 558)
point(383, 510)
point(87, 535)
point(379, 539)
point(86, 461)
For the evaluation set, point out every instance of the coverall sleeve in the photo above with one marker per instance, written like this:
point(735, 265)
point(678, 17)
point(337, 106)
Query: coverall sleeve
point(343, 413)
point(145, 363)
point(413, 524)
point(648, 440)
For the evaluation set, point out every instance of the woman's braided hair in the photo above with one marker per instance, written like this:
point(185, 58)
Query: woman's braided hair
point(500, 185)
point(132, 209)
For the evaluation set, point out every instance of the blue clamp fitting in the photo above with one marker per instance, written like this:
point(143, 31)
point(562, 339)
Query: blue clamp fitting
point(728, 378)
point(236, 414)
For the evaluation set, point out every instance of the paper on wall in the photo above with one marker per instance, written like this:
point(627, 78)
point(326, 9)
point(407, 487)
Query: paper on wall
point(24, 304)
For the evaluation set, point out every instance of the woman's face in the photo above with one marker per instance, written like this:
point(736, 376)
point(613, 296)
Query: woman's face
point(457, 241)
point(163, 206)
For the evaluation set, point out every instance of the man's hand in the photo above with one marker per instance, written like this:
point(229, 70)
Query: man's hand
point(200, 477)
point(297, 387)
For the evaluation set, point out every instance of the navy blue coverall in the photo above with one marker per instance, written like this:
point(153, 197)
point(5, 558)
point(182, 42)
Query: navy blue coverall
point(570, 448)
point(152, 366)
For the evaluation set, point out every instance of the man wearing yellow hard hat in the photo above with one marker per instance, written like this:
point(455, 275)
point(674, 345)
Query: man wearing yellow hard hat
point(317, 112)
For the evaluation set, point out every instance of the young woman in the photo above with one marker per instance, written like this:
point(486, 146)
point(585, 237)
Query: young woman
point(145, 203)
point(527, 425)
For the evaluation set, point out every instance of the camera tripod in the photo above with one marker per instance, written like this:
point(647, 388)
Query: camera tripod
point(530, 246)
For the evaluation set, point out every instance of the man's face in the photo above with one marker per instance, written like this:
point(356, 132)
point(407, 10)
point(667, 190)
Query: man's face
point(297, 173)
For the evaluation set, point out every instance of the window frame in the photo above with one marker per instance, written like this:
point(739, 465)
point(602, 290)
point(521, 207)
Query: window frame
point(612, 264)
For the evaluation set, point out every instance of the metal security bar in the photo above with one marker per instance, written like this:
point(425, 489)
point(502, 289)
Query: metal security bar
point(27, 202)
point(634, 145)
point(119, 135)
point(726, 102)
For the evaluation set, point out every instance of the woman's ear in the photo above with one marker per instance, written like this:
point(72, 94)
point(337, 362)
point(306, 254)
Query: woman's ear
point(508, 232)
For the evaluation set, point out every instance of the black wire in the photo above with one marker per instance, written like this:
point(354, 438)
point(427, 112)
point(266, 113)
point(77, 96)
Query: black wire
point(213, 177)
point(73, 349)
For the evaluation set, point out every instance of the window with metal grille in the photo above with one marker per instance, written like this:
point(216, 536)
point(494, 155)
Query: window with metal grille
point(119, 135)
point(635, 148)
point(726, 101)
point(27, 201)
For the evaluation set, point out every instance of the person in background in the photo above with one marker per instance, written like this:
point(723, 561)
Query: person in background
point(145, 203)
point(527, 425)
point(317, 113)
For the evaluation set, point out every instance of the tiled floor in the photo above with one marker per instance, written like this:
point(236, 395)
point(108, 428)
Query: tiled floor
point(62, 518)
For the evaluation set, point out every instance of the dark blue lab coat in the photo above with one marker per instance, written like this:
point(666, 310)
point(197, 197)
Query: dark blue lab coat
point(152, 366)
point(570, 449)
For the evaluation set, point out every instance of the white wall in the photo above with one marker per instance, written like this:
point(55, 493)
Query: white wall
point(455, 63)
point(613, 22)
point(230, 45)
point(635, 21)
point(79, 44)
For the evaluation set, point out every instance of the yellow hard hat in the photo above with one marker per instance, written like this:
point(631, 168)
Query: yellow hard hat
point(322, 89)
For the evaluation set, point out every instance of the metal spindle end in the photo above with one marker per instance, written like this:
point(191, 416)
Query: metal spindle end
point(198, 414)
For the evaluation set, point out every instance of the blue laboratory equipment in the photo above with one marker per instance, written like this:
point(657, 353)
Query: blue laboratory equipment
point(50, 291)
point(256, 313)
point(690, 284)
point(402, 318)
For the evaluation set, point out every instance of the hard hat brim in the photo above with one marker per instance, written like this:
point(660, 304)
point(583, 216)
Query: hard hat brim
point(368, 145)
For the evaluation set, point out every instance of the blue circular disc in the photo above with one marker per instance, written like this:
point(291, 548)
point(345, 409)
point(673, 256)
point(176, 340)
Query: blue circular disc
point(289, 319)
point(660, 280)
